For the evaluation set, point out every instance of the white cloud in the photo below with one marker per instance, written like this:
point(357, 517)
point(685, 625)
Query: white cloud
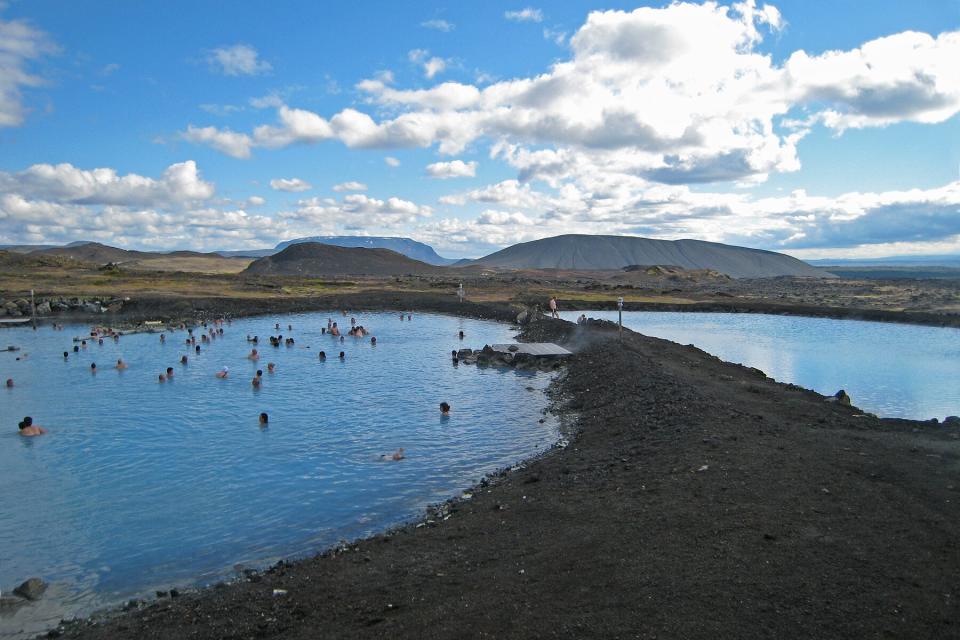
point(66, 184)
point(528, 14)
point(453, 169)
point(20, 45)
point(391, 161)
point(557, 36)
point(237, 60)
point(445, 96)
point(352, 185)
point(907, 76)
point(256, 201)
point(432, 65)
point(439, 25)
point(290, 184)
point(269, 101)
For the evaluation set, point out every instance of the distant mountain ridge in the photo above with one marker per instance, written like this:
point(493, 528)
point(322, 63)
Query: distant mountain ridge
point(589, 252)
point(316, 259)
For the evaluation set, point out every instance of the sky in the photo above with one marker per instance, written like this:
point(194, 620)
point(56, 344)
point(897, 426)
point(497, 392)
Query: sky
point(819, 129)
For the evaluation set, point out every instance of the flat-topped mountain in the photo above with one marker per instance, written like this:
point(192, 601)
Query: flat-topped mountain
point(317, 259)
point(587, 252)
point(405, 246)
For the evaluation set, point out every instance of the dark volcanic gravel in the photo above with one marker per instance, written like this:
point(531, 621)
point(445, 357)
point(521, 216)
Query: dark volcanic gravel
point(699, 500)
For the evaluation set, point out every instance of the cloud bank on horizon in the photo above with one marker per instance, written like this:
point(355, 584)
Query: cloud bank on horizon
point(666, 122)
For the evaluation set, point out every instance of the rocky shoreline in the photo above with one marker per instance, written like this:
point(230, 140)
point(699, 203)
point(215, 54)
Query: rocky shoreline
point(699, 499)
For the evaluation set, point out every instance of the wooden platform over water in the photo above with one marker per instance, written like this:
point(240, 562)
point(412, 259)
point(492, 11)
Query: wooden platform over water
point(533, 349)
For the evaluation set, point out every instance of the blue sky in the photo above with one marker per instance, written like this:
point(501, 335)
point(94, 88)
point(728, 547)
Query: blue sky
point(818, 129)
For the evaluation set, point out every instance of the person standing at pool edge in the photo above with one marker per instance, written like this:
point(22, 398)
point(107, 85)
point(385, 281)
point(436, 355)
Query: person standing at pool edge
point(553, 307)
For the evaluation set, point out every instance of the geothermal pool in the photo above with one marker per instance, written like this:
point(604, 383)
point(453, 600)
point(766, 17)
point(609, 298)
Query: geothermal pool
point(141, 485)
point(893, 370)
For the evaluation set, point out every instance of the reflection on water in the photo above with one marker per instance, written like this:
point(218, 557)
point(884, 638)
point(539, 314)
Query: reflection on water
point(142, 485)
point(893, 370)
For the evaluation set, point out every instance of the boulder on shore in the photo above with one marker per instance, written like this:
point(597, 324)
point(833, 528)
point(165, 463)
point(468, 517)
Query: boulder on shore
point(32, 589)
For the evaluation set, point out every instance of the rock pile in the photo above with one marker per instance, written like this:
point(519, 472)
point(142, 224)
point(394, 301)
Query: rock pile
point(523, 361)
point(20, 307)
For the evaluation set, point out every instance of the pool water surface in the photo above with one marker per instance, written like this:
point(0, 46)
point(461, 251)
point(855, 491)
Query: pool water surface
point(141, 485)
point(893, 370)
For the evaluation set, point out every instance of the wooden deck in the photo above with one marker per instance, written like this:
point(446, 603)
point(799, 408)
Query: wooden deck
point(533, 348)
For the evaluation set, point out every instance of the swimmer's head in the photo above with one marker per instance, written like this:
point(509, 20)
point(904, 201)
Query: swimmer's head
point(27, 421)
point(169, 371)
point(9, 382)
point(444, 407)
point(342, 356)
point(264, 418)
point(259, 372)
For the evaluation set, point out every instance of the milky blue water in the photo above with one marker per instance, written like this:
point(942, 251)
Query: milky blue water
point(141, 485)
point(893, 370)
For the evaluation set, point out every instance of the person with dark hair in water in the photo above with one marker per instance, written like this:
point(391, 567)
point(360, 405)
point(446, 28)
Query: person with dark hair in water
point(257, 379)
point(161, 378)
point(444, 409)
point(121, 364)
point(322, 355)
point(342, 355)
point(9, 383)
point(93, 367)
point(66, 355)
point(264, 419)
point(183, 360)
point(169, 373)
point(27, 428)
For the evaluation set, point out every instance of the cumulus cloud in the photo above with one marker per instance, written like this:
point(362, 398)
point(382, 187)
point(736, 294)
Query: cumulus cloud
point(61, 203)
point(439, 25)
point(290, 184)
point(66, 184)
point(233, 144)
point(648, 102)
point(352, 185)
point(237, 60)
point(391, 161)
point(528, 14)
point(357, 212)
point(453, 169)
point(907, 76)
point(20, 45)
